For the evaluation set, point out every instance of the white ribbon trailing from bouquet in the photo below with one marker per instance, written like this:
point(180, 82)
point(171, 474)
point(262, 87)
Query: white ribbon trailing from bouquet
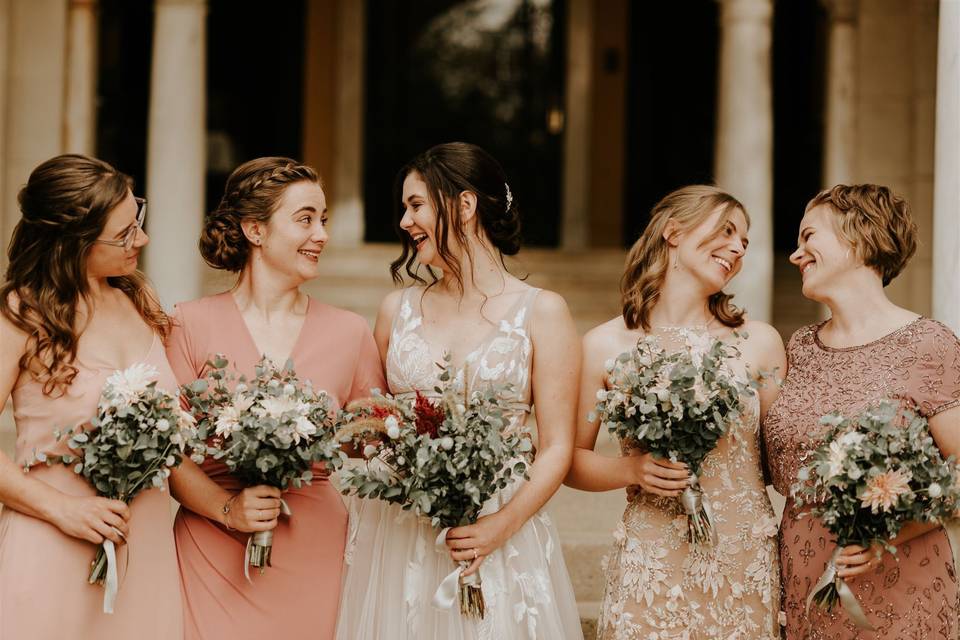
point(847, 598)
point(110, 583)
point(263, 539)
point(446, 593)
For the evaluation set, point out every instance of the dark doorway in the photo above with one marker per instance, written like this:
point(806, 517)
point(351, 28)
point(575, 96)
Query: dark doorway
point(254, 85)
point(124, 46)
point(480, 71)
point(798, 91)
point(671, 102)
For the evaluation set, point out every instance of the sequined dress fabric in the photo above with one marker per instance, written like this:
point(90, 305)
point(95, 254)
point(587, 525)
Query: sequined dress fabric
point(913, 596)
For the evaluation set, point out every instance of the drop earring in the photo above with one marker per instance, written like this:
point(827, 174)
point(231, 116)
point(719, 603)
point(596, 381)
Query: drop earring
point(676, 261)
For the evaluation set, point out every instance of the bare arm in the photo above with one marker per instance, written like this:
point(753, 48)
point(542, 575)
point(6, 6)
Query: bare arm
point(556, 364)
point(87, 518)
point(592, 471)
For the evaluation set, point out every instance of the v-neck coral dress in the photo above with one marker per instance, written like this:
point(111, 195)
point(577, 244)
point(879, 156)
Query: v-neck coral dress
point(44, 594)
point(299, 595)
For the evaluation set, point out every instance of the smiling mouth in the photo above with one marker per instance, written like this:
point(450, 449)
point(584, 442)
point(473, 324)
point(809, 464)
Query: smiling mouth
point(310, 255)
point(418, 239)
point(723, 263)
point(807, 267)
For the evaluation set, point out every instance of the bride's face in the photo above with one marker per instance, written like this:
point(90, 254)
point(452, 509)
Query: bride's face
point(420, 222)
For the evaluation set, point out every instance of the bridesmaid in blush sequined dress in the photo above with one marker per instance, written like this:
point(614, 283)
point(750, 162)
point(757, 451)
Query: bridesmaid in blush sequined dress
point(73, 279)
point(868, 350)
point(270, 226)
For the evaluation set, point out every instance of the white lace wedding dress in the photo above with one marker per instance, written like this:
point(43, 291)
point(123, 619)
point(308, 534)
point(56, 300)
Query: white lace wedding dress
point(393, 566)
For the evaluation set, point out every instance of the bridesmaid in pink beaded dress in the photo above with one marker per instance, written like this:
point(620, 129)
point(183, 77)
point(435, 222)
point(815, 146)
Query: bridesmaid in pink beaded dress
point(853, 241)
point(271, 227)
point(73, 309)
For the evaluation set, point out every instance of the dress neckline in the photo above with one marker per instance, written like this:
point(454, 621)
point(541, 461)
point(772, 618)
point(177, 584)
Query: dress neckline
point(857, 347)
point(78, 361)
point(252, 344)
point(487, 338)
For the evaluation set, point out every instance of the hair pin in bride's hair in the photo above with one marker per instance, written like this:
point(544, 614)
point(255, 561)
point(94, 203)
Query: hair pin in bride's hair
point(509, 197)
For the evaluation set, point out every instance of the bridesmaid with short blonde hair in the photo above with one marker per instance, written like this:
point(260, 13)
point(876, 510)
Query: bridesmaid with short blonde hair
point(853, 241)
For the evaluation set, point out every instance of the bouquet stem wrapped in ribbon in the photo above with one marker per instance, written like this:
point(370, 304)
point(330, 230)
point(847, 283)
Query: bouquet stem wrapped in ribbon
point(440, 460)
point(871, 475)
point(676, 405)
point(138, 435)
point(272, 430)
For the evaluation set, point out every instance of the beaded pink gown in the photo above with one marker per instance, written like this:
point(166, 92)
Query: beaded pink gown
point(299, 595)
point(44, 593)
point(915, 594)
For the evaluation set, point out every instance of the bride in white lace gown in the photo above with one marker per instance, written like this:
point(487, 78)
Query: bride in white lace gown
point(497, 329)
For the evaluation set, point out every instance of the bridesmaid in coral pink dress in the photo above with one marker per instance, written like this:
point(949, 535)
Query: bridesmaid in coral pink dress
point(271, 227)
point(82, 223)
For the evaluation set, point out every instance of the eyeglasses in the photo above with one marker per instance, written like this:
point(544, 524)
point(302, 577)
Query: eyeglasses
point(131, 235)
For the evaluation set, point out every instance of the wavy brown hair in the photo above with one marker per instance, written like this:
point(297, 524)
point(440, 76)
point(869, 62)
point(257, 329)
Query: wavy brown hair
point(648, 260)
point(448, 170)
point(876, 221)
point(253, 192)
point(64, 208)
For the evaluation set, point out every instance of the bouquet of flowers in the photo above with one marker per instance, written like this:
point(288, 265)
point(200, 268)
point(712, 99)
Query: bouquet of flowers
point(872, 474)
point(139, 434)
point(269, 430)
point(440, 460)
point(676, 405)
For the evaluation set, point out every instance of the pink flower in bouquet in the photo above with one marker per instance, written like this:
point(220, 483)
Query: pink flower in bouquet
point(884, 490)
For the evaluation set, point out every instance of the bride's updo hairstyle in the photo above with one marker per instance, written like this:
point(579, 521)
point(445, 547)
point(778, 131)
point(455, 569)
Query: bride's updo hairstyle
point(648, 260)
point(448, 170)
point(876, 222)
point(253, 192)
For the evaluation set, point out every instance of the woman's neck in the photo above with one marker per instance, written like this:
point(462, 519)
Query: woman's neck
point(681, 304)
point(861, 312)
point(266, 294)
point(483, 277)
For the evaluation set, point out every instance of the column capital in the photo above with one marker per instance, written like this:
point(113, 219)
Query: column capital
point(737, 11)
point(841, 10)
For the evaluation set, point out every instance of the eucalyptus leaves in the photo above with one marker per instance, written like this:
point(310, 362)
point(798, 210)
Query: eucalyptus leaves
point(138, 435)
point(676, 405)
point(441, 460)
point(272, 429)
point(872, 474)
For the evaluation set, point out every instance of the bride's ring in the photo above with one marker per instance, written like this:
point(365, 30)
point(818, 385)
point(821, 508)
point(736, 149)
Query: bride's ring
point(118, 532)
point(475, 554)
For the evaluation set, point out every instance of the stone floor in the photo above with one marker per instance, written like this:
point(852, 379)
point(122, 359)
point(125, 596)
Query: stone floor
point(358, 280)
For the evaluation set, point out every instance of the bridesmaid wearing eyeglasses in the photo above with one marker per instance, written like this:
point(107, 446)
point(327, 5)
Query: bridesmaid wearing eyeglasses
point(74, 308)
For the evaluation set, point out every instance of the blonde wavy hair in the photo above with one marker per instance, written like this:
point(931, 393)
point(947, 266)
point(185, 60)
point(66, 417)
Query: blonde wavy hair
point(649, 258)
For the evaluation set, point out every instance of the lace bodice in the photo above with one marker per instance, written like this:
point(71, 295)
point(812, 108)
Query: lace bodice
point(503, 356)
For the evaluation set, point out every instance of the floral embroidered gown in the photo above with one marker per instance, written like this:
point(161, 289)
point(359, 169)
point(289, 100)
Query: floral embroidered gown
point(394, 567)
point(658, 586)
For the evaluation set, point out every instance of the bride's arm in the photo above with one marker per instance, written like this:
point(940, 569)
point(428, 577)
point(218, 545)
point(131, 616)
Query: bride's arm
point(556, 367)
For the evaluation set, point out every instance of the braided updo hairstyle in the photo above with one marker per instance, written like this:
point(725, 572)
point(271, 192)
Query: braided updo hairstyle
point(253, 192)
point(448, 170)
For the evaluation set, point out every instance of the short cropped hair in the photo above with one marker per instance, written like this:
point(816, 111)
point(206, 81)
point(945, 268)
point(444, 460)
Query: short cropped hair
point(876, 221)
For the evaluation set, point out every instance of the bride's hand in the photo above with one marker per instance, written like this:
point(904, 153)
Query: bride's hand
point(476, 541)
point(659, 476)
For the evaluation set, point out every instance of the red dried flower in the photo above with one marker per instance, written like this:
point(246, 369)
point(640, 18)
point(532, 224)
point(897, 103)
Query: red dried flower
point(429, 416)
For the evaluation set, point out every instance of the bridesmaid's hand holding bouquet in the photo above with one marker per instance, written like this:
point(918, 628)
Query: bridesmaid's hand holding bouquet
point(873, 474)
point(139, 434)
point(442, 461)
point(675, 405)
point(271, 430)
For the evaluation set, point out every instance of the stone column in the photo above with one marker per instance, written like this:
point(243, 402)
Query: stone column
point(946, 185)
point(33, 36)
point(80, 106)
point(744, 144)
point(347, 206)
point(839, 147)
point(574, 229)
point(176, 149)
